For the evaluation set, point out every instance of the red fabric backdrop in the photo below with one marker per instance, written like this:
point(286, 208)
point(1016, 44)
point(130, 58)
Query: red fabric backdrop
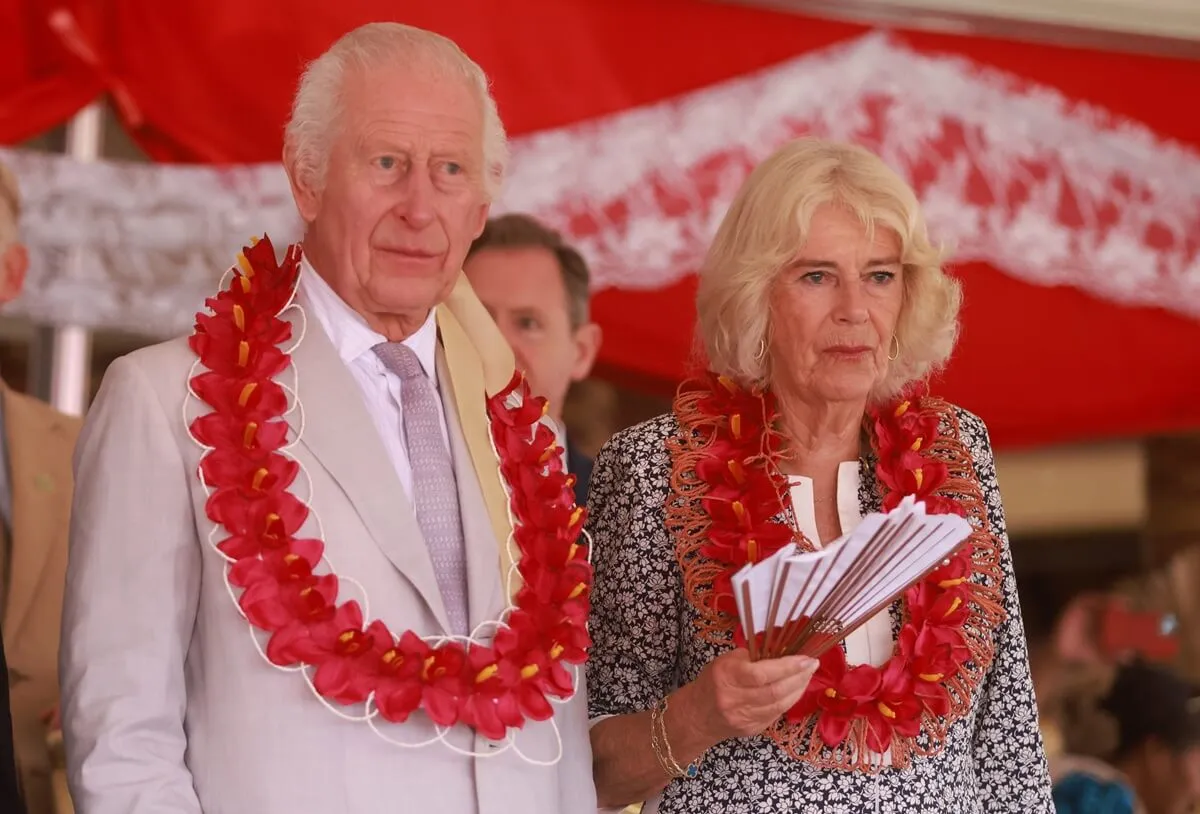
point(211, 83)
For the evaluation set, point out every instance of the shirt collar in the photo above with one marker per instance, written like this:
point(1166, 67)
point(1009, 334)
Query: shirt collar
point(560, 433)
point(352, 338)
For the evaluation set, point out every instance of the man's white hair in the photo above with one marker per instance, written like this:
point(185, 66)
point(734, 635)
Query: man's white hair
point(10, 207)
point(316, 110)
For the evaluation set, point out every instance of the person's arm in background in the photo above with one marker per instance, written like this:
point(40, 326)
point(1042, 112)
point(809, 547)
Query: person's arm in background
point(10, 786)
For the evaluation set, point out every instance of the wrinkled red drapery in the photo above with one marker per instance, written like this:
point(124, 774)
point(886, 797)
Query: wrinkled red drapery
point(42, 82)
point(210, 82)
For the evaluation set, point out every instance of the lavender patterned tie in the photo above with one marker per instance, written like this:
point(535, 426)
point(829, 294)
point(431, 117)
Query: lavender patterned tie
point(435, 491)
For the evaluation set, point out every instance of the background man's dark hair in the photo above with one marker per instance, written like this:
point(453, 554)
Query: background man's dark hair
point(517, 231)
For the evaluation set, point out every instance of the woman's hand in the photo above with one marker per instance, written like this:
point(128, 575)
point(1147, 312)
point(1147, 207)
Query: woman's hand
point(735, 697)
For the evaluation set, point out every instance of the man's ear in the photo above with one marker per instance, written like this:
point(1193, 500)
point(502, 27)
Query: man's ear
point(587, 340)
point(304, 192)
point(481, 220)
point(14, 263)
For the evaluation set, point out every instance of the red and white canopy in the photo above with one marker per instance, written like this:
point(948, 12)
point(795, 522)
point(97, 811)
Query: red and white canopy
point(1065, 182)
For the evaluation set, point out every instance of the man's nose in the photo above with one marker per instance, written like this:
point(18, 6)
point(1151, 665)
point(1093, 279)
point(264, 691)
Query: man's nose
point(415, 204)
point(515, 343)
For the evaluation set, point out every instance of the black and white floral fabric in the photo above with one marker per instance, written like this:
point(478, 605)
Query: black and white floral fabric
point(645, 647)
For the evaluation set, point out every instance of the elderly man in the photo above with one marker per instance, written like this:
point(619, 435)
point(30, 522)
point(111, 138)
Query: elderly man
point(182, 692)
point(536, 287)
point(35, 499)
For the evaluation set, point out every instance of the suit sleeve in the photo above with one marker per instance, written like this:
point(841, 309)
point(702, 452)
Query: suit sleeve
point(1010, 760)
point(133, 580)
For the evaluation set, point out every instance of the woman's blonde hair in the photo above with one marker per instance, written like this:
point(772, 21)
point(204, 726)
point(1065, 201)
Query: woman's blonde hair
point(765, 229)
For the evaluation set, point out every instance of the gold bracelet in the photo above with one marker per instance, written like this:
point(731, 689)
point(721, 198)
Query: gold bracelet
point(661, 745)
point(656, 713)
point(676, 769)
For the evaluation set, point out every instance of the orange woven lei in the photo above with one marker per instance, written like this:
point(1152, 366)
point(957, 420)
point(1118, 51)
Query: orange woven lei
point(286, 594)
point(726, 500)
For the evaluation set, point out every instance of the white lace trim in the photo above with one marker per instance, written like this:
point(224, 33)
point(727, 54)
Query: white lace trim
point(1014, 174)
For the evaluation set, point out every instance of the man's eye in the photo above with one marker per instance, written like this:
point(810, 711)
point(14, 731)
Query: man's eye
point(386, 162)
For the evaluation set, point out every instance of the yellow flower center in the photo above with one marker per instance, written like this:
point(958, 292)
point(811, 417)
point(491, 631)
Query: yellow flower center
point(246, 392)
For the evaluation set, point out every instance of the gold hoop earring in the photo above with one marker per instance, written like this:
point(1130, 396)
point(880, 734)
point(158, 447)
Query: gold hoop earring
point(895, 354)
point(762, 350)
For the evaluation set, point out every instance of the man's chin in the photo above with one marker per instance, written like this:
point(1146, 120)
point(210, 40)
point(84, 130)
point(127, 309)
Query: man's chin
point(393, 265)
point(410, 291)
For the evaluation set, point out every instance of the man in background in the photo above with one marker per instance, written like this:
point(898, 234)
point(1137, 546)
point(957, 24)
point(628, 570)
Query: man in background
point(536, 287)
point(35, 499)
point(10, 787)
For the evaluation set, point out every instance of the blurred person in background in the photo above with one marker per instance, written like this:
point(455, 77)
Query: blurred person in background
point(1139, 750)
point(10, 786)
point(1073, 657)
point(35, 500)
point(536, 287)
point(822, 309)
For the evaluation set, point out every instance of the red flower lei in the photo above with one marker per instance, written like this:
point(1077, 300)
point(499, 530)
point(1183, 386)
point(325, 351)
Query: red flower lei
point(727, 495)
point(490, 688)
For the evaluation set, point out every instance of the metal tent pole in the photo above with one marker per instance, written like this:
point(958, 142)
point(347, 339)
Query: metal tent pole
point(70, 346)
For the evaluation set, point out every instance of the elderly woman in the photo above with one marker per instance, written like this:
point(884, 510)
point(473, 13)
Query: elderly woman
point(821, 308)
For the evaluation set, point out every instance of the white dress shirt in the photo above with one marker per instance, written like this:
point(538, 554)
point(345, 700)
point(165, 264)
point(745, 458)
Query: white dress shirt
point(560, 437)
point(353, 340)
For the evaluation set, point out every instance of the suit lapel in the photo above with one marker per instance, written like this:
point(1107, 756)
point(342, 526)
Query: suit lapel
point(483, 558)
point(340, 434)
point(464, 385)
point(41, 498)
